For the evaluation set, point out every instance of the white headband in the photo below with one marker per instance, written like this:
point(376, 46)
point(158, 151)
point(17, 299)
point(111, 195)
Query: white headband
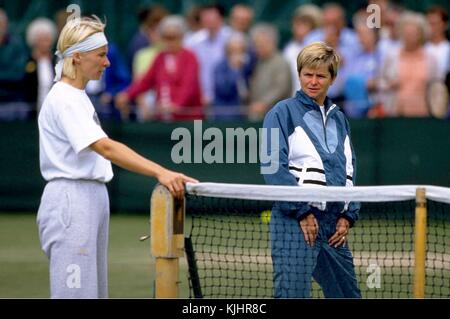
point(95, 41)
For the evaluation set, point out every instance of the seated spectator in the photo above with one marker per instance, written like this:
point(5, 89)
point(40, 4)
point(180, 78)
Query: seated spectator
point(307, 18)
point(13, 58)
point(41, 35)
point(271, 80)
point(231, 80)
point(407, 72)
point(174, 75)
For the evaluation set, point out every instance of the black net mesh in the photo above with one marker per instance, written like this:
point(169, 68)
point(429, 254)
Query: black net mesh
point(235, 245)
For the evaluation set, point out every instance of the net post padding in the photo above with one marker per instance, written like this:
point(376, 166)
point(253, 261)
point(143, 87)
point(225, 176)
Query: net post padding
point(420, 243)
point(167, 240)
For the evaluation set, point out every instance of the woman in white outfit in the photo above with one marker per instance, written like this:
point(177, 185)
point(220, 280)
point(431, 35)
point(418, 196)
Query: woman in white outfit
point(75, 160)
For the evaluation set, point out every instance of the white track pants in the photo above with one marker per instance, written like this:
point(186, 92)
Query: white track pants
point(73, 222)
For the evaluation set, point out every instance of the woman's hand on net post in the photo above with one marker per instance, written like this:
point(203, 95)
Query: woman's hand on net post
point(310, 228)
point(339, 237)
point(175, 182)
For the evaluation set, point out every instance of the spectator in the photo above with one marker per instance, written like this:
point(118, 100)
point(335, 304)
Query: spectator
point(174, 75)
point(13, 58)
point(115, 79)
point(336, 34)
point(231, 79)
point(388, 36)
point(307, 18)
point(271, 80)
point(241, 18)
point(334, 17)
point(193, 22)
point(407, 71)
point(143, 60)
point(144, 57)
point(360, 82)
point(41, 36)
point(140, 39)
point(384, 18)
point(438, 44)
point(61, 17)
point(209, 46)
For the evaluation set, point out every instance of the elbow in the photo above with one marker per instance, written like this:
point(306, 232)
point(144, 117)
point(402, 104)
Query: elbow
point(103, 147)
point(107, 153)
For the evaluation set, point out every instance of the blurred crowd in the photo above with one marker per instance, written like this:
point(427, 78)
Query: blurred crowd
point(209, 65)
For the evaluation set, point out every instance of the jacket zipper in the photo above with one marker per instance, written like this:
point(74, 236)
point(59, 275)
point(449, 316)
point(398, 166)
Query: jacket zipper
point(324, 124)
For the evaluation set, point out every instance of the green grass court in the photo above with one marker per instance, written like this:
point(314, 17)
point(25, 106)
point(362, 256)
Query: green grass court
point(24, 267)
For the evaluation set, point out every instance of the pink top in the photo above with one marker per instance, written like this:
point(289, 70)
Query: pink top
point(414, 72)
point(174, 77)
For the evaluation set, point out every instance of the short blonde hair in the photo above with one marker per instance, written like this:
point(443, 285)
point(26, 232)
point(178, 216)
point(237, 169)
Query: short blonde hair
point(316, 55)
point(75, 31)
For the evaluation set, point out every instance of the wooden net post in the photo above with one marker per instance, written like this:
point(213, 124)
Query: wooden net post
point(167, 240)
point(420, 243)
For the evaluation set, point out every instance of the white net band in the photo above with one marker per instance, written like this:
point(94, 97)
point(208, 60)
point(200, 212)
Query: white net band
point(318, 194)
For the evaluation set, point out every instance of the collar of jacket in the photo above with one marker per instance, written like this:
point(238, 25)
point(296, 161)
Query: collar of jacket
point(306, 100)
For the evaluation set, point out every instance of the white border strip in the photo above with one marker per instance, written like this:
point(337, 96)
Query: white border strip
point(318, 194)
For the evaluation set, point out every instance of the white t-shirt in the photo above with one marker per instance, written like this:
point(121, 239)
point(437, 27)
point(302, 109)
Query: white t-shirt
point(45, 80)
point(68, 124)
point(442, 53)
point(324, 114)
point(290, 53)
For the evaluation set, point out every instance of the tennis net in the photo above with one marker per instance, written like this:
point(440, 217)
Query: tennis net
point(234, 242)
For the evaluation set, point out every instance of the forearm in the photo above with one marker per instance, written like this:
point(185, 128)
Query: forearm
point(141, 85)
point(126, 158)
point(135, 89)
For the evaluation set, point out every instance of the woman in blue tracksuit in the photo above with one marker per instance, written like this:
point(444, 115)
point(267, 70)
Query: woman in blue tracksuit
point(314, 149)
